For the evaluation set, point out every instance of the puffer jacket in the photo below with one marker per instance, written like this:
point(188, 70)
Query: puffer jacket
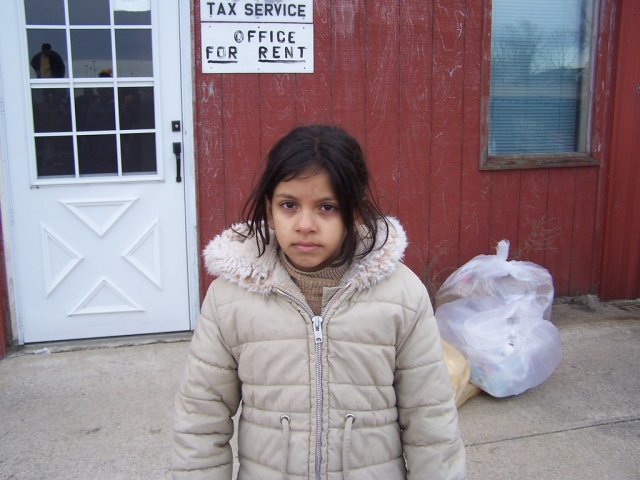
point(359, 392)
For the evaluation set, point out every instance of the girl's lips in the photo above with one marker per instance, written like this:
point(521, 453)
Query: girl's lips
point(306, 247)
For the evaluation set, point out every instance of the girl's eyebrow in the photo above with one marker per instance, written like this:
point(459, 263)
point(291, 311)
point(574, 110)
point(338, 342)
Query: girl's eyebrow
point(289, 196)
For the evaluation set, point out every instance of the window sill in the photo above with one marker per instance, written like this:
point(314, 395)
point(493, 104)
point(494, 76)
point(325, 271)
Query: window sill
point(550, 160)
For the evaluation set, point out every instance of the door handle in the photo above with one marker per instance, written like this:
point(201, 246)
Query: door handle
point(177, 150)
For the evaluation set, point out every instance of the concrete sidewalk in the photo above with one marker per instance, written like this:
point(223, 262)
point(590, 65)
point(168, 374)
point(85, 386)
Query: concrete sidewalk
point(93, 411)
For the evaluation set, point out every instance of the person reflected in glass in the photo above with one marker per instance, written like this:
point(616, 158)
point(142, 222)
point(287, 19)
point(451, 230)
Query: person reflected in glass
point(48, 63)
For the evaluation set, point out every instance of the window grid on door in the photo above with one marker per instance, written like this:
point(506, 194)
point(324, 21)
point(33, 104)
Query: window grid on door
point(93, 96)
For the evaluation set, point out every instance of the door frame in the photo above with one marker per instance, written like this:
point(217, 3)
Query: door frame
point(189, 178)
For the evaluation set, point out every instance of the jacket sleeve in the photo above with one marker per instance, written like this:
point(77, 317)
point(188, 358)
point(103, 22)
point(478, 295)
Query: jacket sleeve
point(428, 416)
point(208, 397)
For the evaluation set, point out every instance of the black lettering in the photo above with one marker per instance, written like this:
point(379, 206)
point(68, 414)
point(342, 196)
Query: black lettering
point(288, 52)
point(262, 52)
point(302, 49)
point(250, 35)
point(211, 4)
point(291, 40)
point(278, 7)
point(232, 8)
point(281, 37)
point(258, 8)
point(261, 35)
point(267, 9)
point(221, 54)
point(221, 10)
point(294, 10)
point(301, 11)
point(276, 52)
point(248, 9)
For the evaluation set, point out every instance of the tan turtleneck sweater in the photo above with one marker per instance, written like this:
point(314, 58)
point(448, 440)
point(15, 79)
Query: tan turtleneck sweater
point(312, 284)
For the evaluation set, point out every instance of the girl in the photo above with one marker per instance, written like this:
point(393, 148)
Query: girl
point(329, 341)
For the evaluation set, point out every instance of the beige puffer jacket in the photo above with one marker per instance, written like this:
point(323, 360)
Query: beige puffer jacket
point(349, 394)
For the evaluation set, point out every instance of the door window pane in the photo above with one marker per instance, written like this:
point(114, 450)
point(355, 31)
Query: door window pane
point(136, 108)
point(138, 153)
point(91, 53)
point(540, 76)
point(44, 12)
point(48, 53)
point(51, 112)
point(97, 155)
point(132, 18)
point(94, 12)
point(54, 156)
point(100, 113)
point(133, 51)
point(83, 99)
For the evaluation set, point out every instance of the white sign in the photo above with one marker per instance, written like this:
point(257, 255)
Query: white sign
point(257, 48)
point(132, 5)
point(261, 11)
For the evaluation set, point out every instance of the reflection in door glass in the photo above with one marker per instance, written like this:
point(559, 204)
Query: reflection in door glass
point(47, 53)
point(97, 154)
point(136, 108)
point(44, 12)
point(133, 51)
point(95, 12)
point(138, 153)
point(91, 53)
point(92, 88)
point(51, 111)
point(96, 111)
point(54, 156)
point(132, 18)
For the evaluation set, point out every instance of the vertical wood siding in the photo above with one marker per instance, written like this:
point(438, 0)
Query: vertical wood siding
point(405, 78)
point(621, 260)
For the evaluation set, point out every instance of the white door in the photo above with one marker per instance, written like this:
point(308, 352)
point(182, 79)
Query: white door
point(92, 112)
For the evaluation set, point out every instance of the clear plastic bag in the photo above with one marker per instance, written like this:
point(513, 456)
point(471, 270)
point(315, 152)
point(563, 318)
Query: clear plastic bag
point(496, 313)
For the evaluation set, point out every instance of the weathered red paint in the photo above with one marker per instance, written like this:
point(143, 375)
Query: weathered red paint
point(621, 252)
point(5, 317)
point(409, 80)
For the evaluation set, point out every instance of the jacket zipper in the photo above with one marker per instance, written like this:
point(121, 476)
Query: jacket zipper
point(316, 321)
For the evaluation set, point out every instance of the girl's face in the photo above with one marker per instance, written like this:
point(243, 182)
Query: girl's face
point(306, 218)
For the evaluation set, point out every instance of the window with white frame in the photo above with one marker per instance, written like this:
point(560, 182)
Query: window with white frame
point(92, 90)
point(541, 74)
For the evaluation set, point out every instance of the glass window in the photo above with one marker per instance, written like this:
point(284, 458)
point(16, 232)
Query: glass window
point(92, 91)
point(133, 51)
point(95, 12)
point(132, 18)
point(91, 53)
point(48, 53)
point(540, 78)
point(44, 12)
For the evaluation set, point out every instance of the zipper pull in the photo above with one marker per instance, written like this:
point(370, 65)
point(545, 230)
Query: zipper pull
point(317, 328)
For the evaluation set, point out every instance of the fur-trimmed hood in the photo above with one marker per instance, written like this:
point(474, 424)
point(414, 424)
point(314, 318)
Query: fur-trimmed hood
point(234, 257)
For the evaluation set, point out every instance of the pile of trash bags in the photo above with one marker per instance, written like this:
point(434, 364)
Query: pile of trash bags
point(496, 314)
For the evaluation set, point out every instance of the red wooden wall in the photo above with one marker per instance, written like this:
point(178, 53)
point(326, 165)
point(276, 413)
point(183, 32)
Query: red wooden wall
point(621, 259)
point(405, 77)
point(5, 316)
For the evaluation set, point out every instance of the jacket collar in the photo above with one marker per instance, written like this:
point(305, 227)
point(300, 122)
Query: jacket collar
point(235, 258)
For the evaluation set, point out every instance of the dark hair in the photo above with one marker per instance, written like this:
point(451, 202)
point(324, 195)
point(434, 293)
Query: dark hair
point(309, 150)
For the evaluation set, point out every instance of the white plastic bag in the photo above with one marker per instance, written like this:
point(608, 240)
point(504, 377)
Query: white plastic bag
point(496, 314)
